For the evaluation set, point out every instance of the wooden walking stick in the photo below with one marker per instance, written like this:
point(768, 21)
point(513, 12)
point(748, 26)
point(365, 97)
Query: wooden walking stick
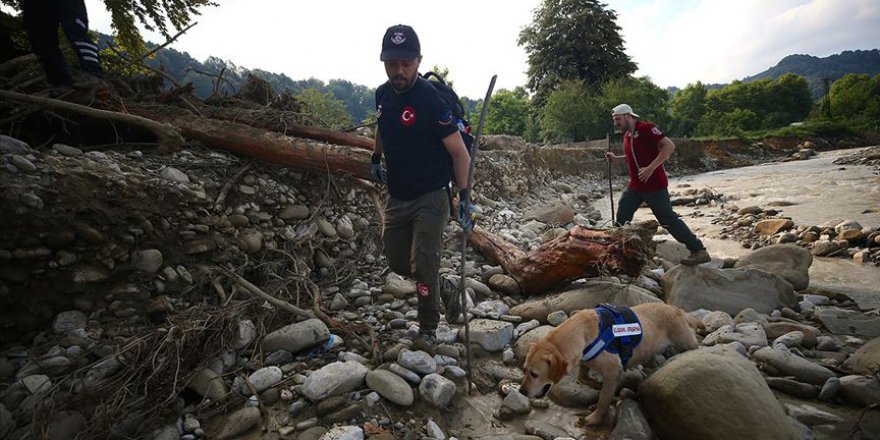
point(466, 233)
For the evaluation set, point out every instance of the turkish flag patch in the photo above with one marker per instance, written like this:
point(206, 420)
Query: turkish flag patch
point(408, 116)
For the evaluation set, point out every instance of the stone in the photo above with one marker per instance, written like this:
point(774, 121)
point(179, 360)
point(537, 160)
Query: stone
point(69, 320)
point(848, 322)
point(437, 390)
point(390, 386)
point(174, 175)
point(208, 384)
point(773, 226)
point(866, 360)
point(297, 337)
point(556, 213)
point(147, 260)
point(239, 422)
point(490, 334)
point(732, 401)
point(789, 364)
point(728, 290)
point(334, 379)
point(788, 261)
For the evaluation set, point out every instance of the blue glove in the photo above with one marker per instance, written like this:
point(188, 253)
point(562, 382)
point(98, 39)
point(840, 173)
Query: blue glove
point(466, 214)
point(376, 170)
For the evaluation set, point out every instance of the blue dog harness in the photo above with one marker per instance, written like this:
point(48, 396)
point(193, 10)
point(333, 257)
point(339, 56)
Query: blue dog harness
point(619, 333)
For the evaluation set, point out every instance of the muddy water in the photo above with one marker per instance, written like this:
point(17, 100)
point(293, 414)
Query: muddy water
point(818, 191)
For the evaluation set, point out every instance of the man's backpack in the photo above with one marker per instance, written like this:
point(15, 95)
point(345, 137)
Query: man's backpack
point(454, 103)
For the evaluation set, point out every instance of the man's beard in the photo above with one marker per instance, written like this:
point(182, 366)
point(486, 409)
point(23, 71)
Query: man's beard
point(395, 80)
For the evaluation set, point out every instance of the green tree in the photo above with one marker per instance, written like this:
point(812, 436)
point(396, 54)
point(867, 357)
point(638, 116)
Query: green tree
point(572, 40)
point(324, 110)
point(508, 112)
point(857, 97)
point(646, 98)
point(688, 107)
point(570, 114)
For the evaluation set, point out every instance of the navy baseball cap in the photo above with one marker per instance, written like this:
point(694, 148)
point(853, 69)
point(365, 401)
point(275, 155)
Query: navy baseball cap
point(400, 43)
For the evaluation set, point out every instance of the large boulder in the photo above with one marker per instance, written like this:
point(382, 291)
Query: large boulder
point(729, 290)
point(587, 297)
point(713, 393)
point(786, 260)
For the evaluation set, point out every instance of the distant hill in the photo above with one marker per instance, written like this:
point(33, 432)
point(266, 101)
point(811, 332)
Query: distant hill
point(814, 69)
point(205, 77)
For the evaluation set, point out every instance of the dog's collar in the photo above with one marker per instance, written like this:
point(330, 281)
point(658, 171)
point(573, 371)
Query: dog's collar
point(615, 322)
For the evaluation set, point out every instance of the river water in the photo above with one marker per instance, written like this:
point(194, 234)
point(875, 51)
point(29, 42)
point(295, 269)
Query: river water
point(818, 191)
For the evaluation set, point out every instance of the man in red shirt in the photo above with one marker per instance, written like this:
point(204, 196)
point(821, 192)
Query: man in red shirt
point(645, 149)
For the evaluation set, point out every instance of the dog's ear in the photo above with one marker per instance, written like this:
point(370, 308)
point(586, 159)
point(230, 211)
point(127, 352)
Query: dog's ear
point(557, 366)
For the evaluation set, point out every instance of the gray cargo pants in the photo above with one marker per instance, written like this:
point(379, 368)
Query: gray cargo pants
point(413, 239)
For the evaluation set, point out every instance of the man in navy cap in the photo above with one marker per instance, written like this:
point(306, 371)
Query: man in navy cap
point(419, 138)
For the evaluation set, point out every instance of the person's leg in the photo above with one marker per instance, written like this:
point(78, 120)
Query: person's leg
point(627, 206)
point(397, 236)
point(41, 23)
point(431, 219)
point(660, 205)
point(75, 22)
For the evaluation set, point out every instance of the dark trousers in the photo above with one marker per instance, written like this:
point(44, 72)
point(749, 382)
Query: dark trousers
point(42, 18)
point(660, 205)
point(413, 238)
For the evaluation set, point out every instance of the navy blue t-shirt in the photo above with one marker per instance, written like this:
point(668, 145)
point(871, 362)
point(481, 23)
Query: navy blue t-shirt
point(412, 125)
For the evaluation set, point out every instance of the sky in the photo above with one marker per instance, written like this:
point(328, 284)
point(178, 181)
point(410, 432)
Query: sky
point(674, 42)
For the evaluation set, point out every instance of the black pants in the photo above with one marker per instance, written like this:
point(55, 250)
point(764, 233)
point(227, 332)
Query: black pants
point(660, 205)
point(42, 18)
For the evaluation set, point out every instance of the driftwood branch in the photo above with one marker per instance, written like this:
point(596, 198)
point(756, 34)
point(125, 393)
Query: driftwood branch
point(168, 135)
point(158, 48)
point(580, 252)
point(256, 291)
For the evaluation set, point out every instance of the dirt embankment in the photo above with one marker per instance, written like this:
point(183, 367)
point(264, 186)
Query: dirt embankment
point(690, 157)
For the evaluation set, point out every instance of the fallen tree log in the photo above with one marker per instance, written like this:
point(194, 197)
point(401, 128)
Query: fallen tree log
point(167, 134)
point(264, 145)
point(580, 252)
point(277, 122)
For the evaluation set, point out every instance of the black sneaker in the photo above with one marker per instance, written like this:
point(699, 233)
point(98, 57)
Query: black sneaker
point(450, 293)
point(696, 257)
point(426, 341)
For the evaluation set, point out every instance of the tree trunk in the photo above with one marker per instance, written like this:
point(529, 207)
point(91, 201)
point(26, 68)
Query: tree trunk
point(580, 252)
point(275, 121)
point(265, 145)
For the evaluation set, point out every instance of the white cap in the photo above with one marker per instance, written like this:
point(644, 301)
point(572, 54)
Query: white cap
point(623, 109)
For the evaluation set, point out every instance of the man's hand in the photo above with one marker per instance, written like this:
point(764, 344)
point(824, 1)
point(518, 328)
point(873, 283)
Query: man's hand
point(645, 173)
point(466, 215)
point(610, 156)
point(376, 170)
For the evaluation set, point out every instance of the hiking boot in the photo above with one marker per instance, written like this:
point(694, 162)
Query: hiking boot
point(426, 341)
point(696, 257)
point(449, 292)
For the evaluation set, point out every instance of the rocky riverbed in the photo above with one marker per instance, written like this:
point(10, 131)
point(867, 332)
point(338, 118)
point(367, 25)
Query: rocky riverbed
point(173, 295)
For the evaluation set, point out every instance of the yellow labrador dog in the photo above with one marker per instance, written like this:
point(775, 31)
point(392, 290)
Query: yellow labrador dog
point(551, 357)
